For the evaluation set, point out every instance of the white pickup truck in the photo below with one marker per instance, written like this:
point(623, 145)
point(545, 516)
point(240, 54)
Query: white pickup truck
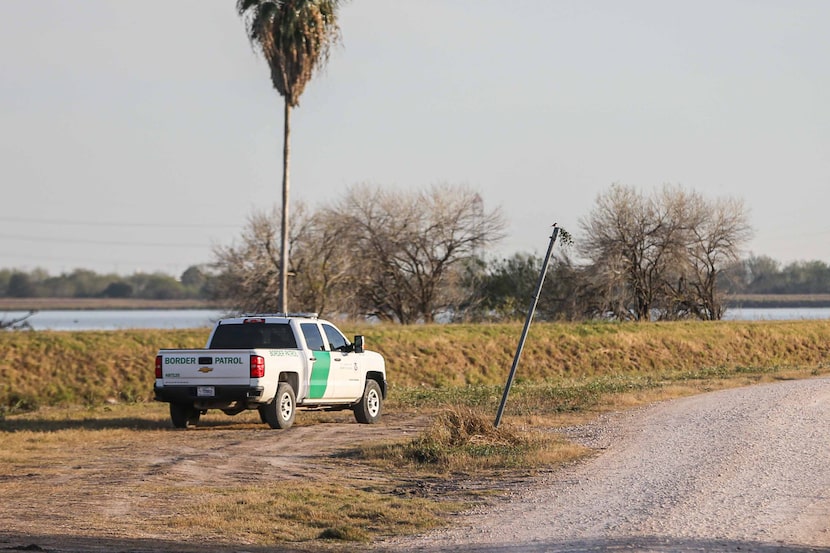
point(272, 363)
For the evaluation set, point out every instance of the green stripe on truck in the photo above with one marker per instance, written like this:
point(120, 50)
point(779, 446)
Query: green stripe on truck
point(319, 374)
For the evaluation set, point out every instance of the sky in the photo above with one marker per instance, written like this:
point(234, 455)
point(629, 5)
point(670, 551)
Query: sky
point(139, 136)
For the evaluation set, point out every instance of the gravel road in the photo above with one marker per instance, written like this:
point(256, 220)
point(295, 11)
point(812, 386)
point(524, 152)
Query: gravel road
point(739, 470)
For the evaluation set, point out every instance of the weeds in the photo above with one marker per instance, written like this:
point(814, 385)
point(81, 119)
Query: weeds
point(465, 441)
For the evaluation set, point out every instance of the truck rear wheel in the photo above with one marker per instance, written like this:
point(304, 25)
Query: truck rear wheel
point(184, 415)
point(368, 409)
point(280, 412)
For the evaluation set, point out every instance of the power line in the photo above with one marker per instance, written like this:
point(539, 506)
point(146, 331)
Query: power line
point(42, 239)
point(78, 261)
point(114, 224)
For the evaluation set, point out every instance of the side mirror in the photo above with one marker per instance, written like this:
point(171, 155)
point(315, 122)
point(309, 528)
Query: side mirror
point(358, 344)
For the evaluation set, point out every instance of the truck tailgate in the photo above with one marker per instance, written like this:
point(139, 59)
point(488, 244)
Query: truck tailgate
point(206, 367)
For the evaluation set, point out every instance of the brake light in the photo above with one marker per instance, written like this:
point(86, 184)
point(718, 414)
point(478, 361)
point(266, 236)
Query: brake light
point(158, 366)
point(257, 366)
point(257, 320)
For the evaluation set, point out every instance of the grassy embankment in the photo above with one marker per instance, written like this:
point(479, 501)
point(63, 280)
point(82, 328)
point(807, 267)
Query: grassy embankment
point(456, 372)
point(436, 365)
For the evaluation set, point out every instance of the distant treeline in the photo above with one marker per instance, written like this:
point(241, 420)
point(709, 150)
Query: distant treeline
point(765, 279)
point(764, 275)
point(194, 283)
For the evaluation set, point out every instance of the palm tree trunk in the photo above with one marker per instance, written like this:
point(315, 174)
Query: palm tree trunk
point(284, 227)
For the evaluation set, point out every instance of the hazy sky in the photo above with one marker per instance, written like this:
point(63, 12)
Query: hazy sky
point(138, 135)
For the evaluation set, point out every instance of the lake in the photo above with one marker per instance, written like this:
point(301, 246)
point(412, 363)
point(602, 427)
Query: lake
point(118, 319)
point(204, 318)
point(776, 313)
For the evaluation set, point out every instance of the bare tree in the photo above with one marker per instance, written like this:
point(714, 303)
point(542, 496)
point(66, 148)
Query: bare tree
point(397, 256)
point(321, 266)
point(248, 272)
point(660, 255)
point(413, 247)
point(716, 240)
point(627, 241)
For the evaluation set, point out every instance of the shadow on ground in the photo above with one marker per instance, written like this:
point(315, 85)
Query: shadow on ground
point(642, 544)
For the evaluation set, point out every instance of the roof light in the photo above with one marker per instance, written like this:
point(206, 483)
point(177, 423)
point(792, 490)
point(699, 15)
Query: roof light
point(306, 315)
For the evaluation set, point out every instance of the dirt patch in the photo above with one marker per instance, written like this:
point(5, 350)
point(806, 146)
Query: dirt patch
point(111, 492)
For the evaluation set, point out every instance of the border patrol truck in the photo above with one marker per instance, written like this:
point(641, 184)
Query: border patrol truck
point(274, 363)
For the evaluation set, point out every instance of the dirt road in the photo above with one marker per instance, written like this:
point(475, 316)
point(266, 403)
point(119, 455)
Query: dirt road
point(739, 470)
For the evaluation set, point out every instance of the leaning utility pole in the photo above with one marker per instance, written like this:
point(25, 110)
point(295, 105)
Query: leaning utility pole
point(531, 310)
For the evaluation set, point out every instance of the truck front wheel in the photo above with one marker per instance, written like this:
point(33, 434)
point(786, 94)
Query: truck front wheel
point(367, 410)
point(184, 415)
point(280, 412)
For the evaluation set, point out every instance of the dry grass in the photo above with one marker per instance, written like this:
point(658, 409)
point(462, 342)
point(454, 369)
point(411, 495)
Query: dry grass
point(49, 368)
point(458, 355)
point(464, 441)
point(304, 512)
point(454, 374)
point(88, 368)
point(121, 471)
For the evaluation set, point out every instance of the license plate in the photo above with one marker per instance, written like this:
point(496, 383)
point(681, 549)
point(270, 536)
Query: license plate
point(205, 391)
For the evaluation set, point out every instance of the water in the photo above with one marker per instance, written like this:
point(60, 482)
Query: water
point(776, 313)
point(204, 318)
point(118, 319)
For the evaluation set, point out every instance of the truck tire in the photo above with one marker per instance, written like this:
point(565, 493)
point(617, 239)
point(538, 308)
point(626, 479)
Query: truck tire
point(184, 415)
point(280, 412)
point(368, 409)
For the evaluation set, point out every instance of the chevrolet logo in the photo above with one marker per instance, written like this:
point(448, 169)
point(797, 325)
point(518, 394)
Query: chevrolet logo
point(205, 369)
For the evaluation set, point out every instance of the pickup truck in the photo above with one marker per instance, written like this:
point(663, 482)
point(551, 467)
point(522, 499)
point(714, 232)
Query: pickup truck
point(274, 363)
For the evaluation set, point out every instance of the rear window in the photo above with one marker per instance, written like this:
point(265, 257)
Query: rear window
point(253, 336)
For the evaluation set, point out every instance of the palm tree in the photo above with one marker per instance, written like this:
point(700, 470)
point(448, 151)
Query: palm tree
point(295, 37)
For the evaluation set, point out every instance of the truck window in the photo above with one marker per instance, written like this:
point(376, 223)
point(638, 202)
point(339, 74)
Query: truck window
point(313, 338)
point(336, 340)
point(253, 336)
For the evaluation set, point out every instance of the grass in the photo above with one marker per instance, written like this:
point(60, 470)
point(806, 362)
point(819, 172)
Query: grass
point(464, 441)
point(305, 512)
point(91, 368)
point(80, 399)
point(121, 470)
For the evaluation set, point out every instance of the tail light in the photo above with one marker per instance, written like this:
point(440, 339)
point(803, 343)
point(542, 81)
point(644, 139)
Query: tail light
point(257, 366)
point(158, 366)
